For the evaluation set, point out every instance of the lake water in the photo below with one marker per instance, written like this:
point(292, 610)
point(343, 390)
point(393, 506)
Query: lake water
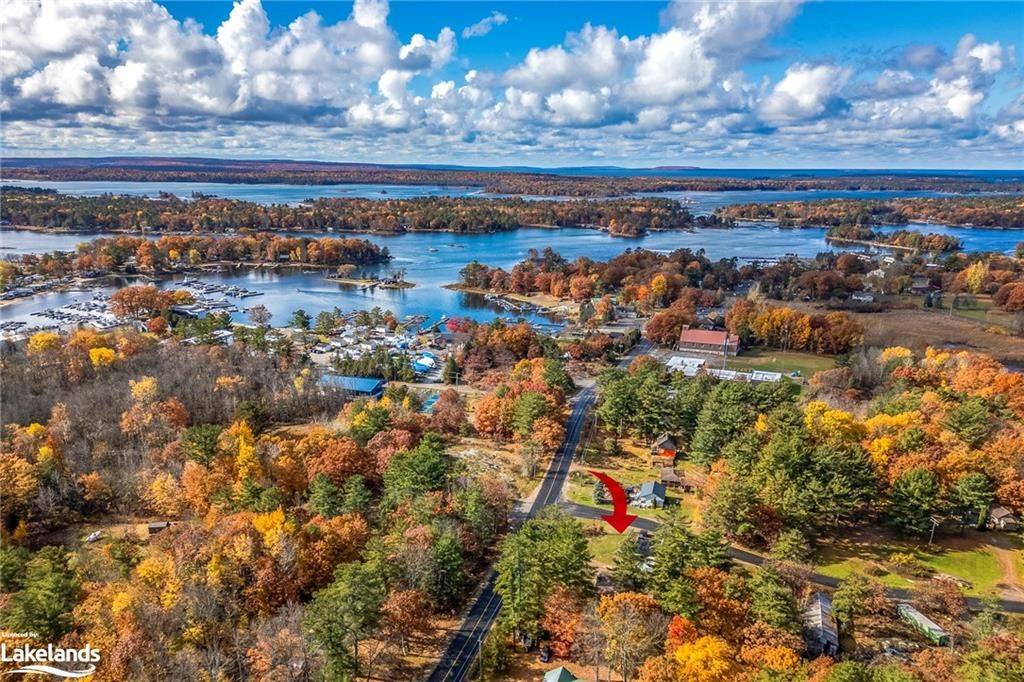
point(433, 259)
point(1002, 175)
point(700, 203)
point(260, 194)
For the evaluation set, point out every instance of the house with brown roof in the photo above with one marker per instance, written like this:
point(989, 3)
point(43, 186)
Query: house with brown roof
point(664, 451)
point(1001, 518)
point(672, 479)
point(708, 341)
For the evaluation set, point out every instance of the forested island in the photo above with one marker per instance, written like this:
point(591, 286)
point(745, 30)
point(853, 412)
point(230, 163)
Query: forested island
point(499, 182)
point(168, 213)
point(900, 239)
point(1001, 210)
point(183, 252)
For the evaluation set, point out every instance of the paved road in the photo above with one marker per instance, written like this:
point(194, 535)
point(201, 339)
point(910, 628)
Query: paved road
point(457, 660)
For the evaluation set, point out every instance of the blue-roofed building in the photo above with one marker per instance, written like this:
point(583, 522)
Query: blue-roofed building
point(651, 495)
point(363, 386)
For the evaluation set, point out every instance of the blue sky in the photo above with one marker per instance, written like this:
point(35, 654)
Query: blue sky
point(767, 84)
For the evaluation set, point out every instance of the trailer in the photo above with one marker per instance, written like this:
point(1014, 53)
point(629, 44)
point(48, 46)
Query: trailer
point(923, 624)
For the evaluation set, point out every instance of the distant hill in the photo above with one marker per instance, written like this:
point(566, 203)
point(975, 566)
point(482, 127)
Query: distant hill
point(576, 181)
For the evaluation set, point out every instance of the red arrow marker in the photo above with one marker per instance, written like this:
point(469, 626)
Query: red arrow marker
point(618, 519)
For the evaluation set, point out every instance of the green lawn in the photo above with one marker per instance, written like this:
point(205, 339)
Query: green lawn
point(781, 361)
point(844, 568)
point(584, 495)
point(974, 562)
point(979, 566)
point(603, 547)
point(580, 489)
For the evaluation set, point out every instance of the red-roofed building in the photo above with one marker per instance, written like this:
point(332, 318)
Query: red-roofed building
point(708, 341)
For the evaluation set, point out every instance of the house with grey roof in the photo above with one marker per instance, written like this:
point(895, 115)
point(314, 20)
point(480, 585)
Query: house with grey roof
point(650, 495)
point(821, 633)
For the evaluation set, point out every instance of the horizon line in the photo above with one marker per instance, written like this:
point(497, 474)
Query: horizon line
point(486, 167)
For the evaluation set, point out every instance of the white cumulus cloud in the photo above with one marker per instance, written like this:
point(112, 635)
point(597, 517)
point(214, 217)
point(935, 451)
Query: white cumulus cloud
point(95, 76)
point(485, 25)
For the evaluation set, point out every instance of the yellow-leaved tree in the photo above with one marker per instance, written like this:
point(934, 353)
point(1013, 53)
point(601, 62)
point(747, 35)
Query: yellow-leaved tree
point(707, 659)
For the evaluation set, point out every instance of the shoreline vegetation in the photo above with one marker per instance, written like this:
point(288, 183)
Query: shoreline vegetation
point(176, 254)
point(50, 211)
point(464, 215)
point(904, 240)
point(1002, 211)
point(869, 243)
point(511, 182)
point(87, 284)
point(543, 302)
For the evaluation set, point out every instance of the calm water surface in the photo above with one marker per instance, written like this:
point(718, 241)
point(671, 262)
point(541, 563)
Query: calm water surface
point(700, 203)
point(432, 260)
point(260, 194)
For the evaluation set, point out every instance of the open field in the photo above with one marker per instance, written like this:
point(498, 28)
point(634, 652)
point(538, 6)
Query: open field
point(500, 461)
point(979, 309)
point(604, 546)
point(920, 328)
point(781, 361)
point(985, 560)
